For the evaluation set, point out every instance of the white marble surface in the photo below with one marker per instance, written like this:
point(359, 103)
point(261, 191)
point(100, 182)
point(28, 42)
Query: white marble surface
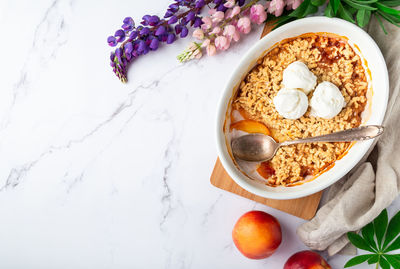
point(98, 174)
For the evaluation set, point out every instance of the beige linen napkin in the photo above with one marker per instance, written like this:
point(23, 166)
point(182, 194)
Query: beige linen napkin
point(357, 199)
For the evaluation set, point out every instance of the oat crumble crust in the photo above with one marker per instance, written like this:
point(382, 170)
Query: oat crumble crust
point(330, 59)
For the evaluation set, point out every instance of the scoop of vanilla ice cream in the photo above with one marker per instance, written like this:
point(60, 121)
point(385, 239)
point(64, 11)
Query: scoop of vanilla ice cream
point(298, 76)
point(291, 103)
point(327, 101)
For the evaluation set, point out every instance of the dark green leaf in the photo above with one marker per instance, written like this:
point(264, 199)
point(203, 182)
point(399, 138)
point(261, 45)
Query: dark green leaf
point(310, 10)
point(393, 246)
point(359, 6)
point(393, 229)
point(300, 10)
point(380, 225)
point(363, 17)
point(387, 9)
point(368, 234)
point(357, 260)
point(373, 259)
point(389, 18)
point(394, 18)
point(365, 1)
point(358, 241)
point(335, 6)
point(384, 263)
point(392, 260)
point(345, 14)
point(352, 10)
point(329, 11)
point(318, 3)
point(378, 17)
point(391, 3)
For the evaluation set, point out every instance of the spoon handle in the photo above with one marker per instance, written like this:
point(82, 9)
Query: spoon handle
point(354, 134)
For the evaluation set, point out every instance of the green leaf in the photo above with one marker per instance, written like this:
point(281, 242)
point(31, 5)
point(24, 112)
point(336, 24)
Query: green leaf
point(384, 263)
point(368, 234)
point(357, 260)
point(380, 225)
point(387, 9)
point(345, 14)
point(393, 229)
point(363, 17)
point(391, 3)
point(352, 10)
point(329, 11)
point(365, 2)
point(335, 6)
point(359, 6)
point(392, 260)
point(389, 18)
point(373, 259)
point(359, 242)
point(378, 17)
point(300, 10)
point(318, 3)
point(395, 245)
point(310, 10)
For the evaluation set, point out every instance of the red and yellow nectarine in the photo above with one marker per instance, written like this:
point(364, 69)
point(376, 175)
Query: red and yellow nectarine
point(257, 234)
point(306, 260)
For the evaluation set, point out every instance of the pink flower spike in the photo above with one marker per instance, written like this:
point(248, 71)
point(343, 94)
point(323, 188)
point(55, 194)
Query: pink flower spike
point(211, 50)
point(205, 43)
point(207, 23)
point(276, 7)
point(229, 31)
point(258, 14)
point(217, 16)
point(229, 3)
point(235, 11)
point(244, 25)
point(216, 30)
point(293, 4)
point(211, 11)
point(198, 33)
point(222, 43)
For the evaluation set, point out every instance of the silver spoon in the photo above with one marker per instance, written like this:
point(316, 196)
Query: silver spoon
point(259, 147)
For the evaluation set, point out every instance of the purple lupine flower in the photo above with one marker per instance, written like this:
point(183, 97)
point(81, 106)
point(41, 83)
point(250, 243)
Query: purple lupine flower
point(200, 3)
point(190, 16)
point(129, 24)
point(217, 2)
point(184, 21)
point(173, 20)
point(241, 2)
point(154, 44)
point(119, 35)
point(145, 20)
point(174, 7)
point(221, 8)
point(197, 22)
point(184, 32)
point(118, 53)
point(128, 47)
point(142, 47)
point(133, 35)
point(153, 20)
point(178, 29)
point(112, 41)
point(170, 38)
point(168, 14)
point(144, 31)
point(160, 30)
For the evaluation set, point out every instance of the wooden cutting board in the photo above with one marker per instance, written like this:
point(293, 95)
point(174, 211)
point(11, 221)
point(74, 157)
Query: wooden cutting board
point(304, 208)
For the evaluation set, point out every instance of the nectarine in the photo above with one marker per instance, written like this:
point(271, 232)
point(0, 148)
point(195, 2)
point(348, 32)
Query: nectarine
point(257, 234)
point(251, 126)
point(306, 260)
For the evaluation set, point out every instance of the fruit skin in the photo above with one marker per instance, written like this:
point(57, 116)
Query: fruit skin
point(257, 234)
point(306, 260)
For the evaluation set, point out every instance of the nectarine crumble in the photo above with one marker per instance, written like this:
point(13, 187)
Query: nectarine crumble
point(334, 65)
